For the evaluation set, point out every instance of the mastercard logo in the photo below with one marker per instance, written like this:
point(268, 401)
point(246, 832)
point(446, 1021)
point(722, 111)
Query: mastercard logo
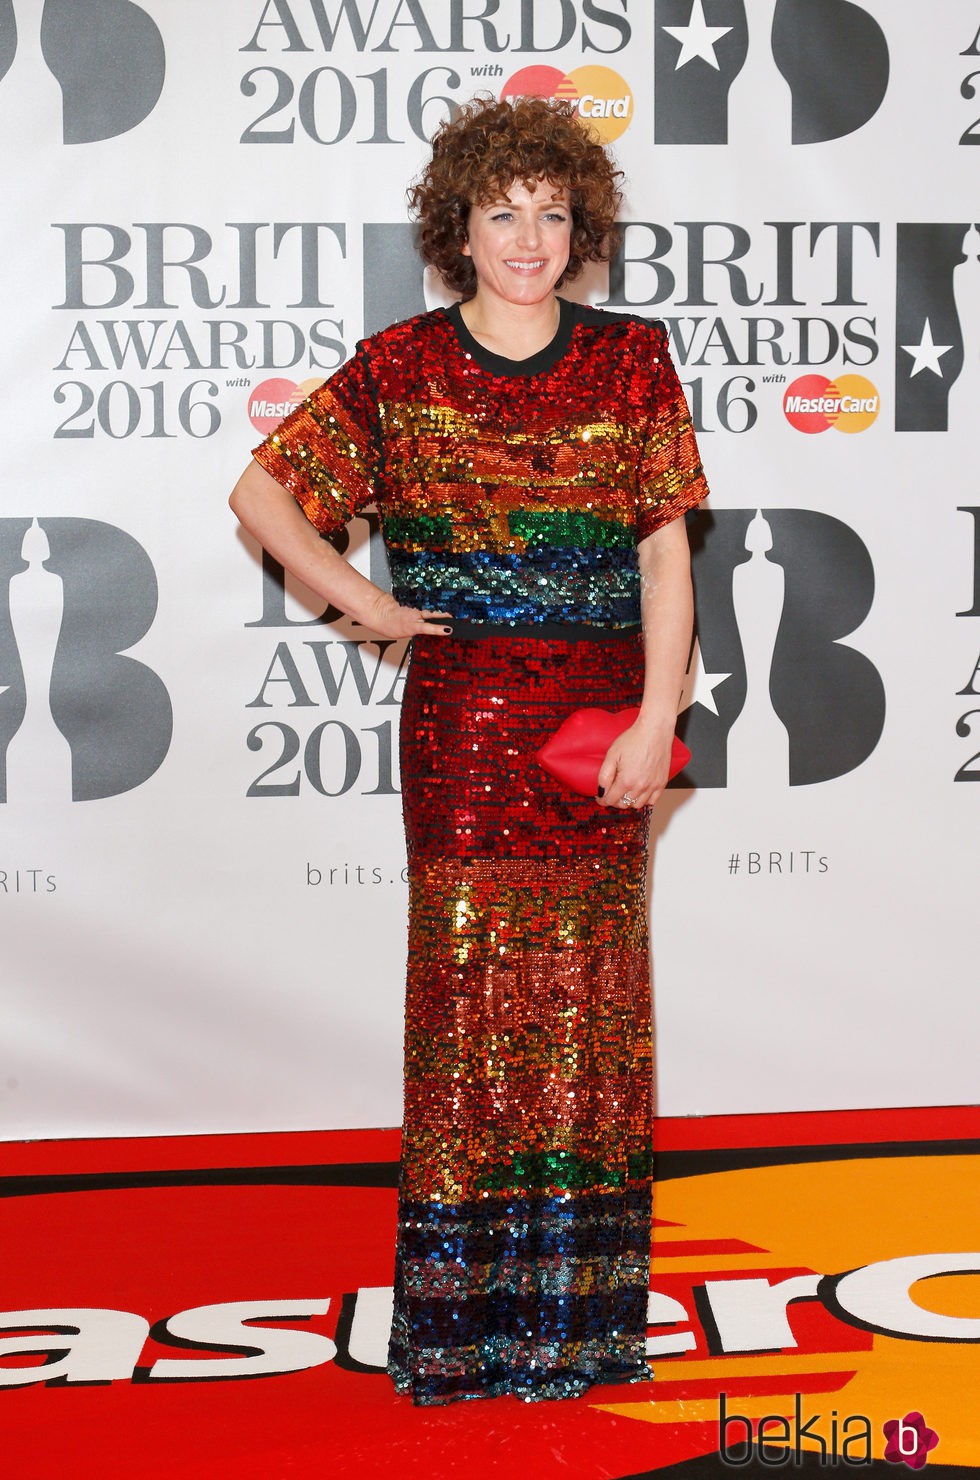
point(598, 95)
point(828, 1358)
point(849, 404)
point(273, 399)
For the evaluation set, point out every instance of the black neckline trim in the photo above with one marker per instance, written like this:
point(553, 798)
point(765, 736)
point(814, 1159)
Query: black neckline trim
point(568, 314)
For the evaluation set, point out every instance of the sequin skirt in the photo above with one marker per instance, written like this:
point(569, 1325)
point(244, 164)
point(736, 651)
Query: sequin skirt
point(524, 1200)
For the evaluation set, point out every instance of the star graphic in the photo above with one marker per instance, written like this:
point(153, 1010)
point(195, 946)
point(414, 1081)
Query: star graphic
point(699, 684)
point(697, 38)
point(926, 353)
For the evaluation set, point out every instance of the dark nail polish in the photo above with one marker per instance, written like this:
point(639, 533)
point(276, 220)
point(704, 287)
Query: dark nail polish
point(601, 791)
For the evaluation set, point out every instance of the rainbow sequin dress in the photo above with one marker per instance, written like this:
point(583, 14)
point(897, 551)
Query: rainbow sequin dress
point(513, 495)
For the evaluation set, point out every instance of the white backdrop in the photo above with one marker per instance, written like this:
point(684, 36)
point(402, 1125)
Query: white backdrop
point(201, 896)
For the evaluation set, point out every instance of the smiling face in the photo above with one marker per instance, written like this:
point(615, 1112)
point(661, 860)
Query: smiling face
point(520, 242)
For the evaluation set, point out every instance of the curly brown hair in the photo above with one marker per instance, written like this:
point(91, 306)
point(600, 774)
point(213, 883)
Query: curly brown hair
point(488, 145)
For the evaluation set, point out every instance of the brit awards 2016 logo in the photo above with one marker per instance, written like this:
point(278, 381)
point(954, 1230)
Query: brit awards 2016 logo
point(330, 103)
point(138, 291)
point(107, 55)
point(832, 53)
point(75, 710)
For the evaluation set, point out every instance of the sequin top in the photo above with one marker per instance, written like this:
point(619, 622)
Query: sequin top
point(509, 491)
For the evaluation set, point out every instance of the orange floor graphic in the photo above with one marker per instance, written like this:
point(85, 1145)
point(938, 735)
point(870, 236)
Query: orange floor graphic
point(218, 1306)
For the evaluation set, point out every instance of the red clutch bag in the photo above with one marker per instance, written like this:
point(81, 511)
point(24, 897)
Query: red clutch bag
point(577, 749)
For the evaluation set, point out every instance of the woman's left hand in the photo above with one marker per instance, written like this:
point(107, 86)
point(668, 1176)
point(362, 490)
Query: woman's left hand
point(635, 770)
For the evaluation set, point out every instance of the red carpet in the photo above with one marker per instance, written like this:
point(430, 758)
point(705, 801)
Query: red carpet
point(146, 1256)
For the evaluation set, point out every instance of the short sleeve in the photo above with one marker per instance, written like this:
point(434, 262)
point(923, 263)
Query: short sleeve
point(327, 452)
point(670, 478)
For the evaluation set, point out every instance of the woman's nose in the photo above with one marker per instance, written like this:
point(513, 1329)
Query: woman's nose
point(530, 234)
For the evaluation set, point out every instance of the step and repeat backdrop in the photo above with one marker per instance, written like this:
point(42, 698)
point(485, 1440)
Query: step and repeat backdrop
point(202, 893)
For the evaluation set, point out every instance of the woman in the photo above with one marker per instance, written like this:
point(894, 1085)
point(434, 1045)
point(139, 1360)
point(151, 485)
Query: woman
point(530, 459)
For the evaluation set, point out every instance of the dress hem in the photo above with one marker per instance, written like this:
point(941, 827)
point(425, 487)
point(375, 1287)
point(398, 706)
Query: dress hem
point(557, 1389)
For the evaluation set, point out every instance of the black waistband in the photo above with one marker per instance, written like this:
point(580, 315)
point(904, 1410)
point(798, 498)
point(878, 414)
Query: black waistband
point(554, 631)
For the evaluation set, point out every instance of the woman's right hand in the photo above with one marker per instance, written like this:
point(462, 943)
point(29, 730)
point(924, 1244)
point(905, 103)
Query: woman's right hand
point(273, 517)
point(388, 619)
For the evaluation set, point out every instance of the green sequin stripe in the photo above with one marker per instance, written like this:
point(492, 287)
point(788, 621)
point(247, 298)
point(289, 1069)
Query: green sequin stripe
point(564, 528)
point(567, 528)
point(419, 530)
point(538, 1170)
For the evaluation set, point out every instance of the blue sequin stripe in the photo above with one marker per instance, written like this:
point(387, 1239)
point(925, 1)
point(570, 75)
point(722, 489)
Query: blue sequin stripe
point(532, 1329)
point(548, 585)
